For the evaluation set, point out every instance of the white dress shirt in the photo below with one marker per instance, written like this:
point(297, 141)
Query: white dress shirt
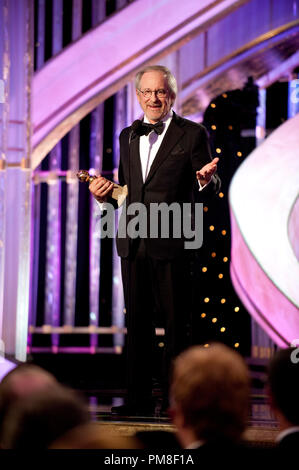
point(150, 144)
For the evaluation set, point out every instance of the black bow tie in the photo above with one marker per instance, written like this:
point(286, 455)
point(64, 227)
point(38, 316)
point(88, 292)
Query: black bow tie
point(147, 128)
point(144, 128)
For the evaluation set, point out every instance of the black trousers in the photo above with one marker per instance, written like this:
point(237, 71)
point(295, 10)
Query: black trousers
point(157, 293)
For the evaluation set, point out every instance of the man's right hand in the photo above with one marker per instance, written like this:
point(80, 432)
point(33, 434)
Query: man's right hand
point(101, 188)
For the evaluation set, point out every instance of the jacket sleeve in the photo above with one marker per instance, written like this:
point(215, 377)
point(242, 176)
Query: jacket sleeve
point(200, 156)
point(121, 177)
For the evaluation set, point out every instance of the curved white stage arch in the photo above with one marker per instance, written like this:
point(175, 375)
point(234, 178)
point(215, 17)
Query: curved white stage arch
point(265, 245)
point(103, 60)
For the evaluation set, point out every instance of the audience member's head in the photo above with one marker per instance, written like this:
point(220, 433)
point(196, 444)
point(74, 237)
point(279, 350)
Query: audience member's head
point(283, 384)
point(209, 394)
point(38, 419)
point(21, 382)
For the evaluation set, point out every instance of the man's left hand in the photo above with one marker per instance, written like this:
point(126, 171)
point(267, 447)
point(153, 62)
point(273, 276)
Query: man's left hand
point(205, 174)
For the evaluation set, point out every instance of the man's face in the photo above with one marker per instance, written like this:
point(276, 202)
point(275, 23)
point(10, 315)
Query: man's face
point(153, 107)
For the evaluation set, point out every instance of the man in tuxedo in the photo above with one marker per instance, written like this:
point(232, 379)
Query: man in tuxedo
point(283, 386)
point(164, 159)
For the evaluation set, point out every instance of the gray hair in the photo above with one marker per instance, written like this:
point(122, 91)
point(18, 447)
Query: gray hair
point(171, 81)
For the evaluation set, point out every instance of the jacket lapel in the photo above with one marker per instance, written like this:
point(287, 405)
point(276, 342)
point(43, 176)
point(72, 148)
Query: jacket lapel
point(135, 163)
point(173, 134)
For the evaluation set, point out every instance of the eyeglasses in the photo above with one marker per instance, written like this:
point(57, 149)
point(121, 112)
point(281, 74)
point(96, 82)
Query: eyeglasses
point(159, 93)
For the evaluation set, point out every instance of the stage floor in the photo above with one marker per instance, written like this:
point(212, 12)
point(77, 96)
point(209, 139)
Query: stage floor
point(101, 379)
point(262, 427)
point(257, 435)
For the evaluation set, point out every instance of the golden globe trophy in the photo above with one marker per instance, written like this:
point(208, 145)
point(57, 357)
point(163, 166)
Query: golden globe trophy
point(119, 193)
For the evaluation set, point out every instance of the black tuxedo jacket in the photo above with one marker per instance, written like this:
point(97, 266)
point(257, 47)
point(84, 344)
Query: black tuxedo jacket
point(171, 178)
